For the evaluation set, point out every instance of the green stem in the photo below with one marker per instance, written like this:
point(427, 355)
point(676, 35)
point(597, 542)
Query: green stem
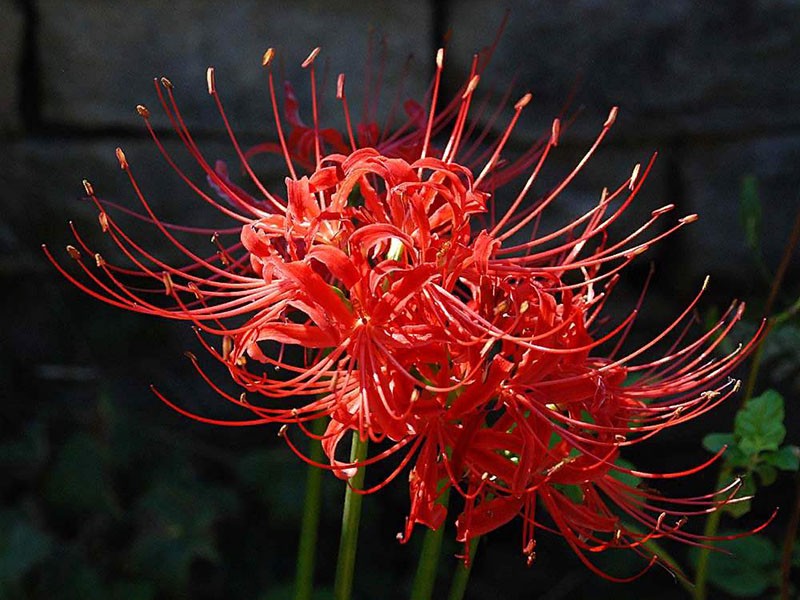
point(713, 520)
point(667, 558)
point(425, 578)
point(710, 530)
point(351, 514)
point(461, 576)
point(789, 542)
point(304, 577)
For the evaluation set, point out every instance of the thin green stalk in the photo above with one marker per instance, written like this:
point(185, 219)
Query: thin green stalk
point(789, 541)
point(710, 530)
point(461, 576)
point(713, 520)
point(304, 576)
point(425, 578)
point(657, 549)
point(351, 514)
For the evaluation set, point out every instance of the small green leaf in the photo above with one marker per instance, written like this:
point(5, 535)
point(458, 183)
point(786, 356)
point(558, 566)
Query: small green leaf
point(759, 425)
point(626, 478)
point(767, 474)
point(22, 546)
point(750, 212)
point(742, 507)
point(787, 458)
point(133, 590)
point(79, 481)
point(714, 442)
point(750, 568)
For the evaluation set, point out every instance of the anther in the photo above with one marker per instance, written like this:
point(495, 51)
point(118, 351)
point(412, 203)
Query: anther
point(191, 356)
point(340, 86)
point(195, 290)
point(308, 61)
point(243, 398)
point(439, 58)
point(688, 219)
point(212, 87)
point(88, 187)
point(166, 83)
point(612, 116)
point(268, 56)
point(73, 252)
point(103, 219)
point(523, 102)
point(555, 132)
point(99, 260)
point(634, 175)
point(142, 110)
point(169, 289)
point(473, 83)
point(662, 211)
point(282, 430)
point(705, 283)
point(227, 346)
point(123, 162)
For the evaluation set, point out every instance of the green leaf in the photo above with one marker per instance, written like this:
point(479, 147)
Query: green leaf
point(79, 481)
point(133, 590)
point(750, 212)
point(626, 478)
point(787, 458)
point(750, 568)
point(714, 442)
point(22, 546)
point(742, 507)
point(767, 474)
point(177, 525)
point(759, 425)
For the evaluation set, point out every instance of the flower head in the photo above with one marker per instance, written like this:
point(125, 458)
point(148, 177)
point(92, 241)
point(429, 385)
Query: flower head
point(399, 301)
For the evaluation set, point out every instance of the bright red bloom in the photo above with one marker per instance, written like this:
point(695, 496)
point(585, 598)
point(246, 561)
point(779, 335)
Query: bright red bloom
point(405, 308)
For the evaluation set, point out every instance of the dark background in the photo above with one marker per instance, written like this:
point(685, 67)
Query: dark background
point(107, 493)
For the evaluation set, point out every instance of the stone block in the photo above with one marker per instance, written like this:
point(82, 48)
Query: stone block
point(713, 177)
point(11, 32)
point(99, 58)
point(674, 68)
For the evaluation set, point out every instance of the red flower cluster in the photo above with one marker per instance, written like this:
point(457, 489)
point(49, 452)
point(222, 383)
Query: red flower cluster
point(398, 300)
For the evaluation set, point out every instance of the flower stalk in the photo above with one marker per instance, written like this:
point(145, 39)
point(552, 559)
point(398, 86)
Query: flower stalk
point(304, 576)
point(351, 516)
point(428, 565)
point(458, 587)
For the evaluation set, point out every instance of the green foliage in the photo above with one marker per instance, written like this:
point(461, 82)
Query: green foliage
point(177, 516)
point(78, 483)
point(745, 567)
point(23, 546)
point(750, 213)
point(759, 425)
point(753, 451)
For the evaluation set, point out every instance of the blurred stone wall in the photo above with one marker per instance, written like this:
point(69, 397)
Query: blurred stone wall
point(712, 87)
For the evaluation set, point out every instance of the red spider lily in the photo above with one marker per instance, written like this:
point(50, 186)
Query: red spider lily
point(474, 356)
